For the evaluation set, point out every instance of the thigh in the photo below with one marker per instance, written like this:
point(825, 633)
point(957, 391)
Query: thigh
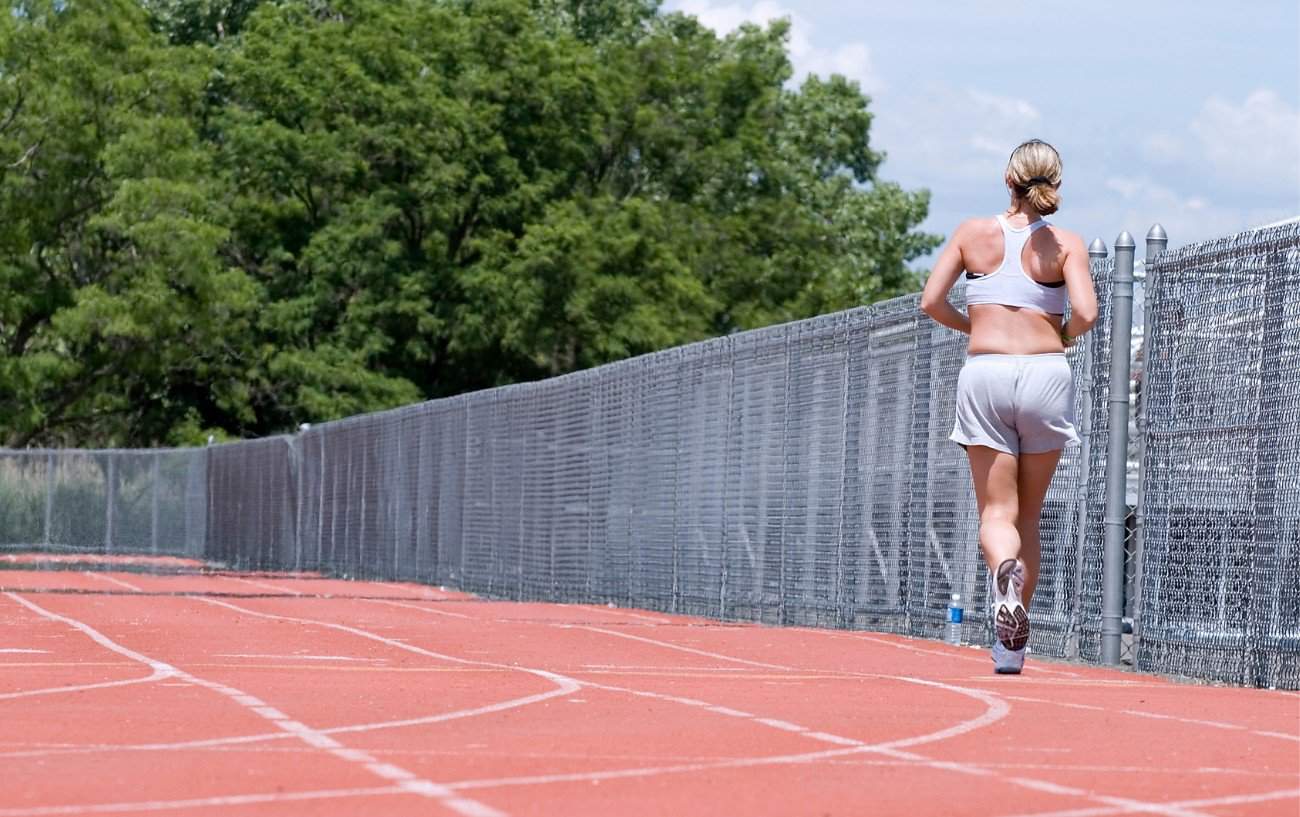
point(995, 474)
point(1033, 479)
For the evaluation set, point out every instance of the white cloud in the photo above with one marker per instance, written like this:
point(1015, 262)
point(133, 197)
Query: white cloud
point(1140, 201)
point(1255, 143)
point(852, 60)
point(1250, 148)
point(939, 135)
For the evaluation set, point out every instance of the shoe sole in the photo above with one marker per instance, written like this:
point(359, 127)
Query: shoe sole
point(1013, 627)
point(1011, 622)
point(1007, 670)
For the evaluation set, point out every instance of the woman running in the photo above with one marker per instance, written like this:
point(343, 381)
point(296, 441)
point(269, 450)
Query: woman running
point(1015, 394)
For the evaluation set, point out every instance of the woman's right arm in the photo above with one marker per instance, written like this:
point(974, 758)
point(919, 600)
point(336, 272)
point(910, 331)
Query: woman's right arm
point(934, 299)
point(1078, 282)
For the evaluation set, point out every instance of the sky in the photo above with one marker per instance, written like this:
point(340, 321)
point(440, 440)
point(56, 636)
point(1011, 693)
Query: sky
point(1185, 114)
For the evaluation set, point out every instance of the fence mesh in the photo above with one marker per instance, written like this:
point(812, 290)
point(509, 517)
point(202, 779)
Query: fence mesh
point(105, 501)
point(798, 474)
point(1219, 595)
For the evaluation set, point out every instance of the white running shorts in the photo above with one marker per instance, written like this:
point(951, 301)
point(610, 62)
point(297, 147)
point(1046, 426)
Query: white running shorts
point(1019, 404)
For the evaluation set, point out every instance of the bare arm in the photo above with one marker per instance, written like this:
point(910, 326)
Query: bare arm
point(934, 299)
point(1078, 282)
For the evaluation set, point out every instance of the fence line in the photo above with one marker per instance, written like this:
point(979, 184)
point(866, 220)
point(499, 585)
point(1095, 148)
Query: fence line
point(798, 474)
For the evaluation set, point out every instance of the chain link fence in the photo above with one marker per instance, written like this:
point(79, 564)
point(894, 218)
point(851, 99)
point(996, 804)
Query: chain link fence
point(799, 474)
point(1217, 590)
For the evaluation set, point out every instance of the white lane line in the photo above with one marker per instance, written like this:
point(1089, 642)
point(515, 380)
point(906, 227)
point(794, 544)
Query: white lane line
point(311, 737)
point(296, 657)
point(1281, 735)
point(202, 802)
point(826, 737)
point(726, 710)
point(983, 659)
point(22, 650)
point(156, 675)
point(114, 580)
point(677, 647)
point(243, 740)
point(658, 668)
point(1158, 716)
point(391, 603)
point(1215, 724)
point(892, 748)
point(159, 669)
point(995, 710)
point(882, 762)
point(564, 684)
point(264, 585)
point(623, 612)
point(1231, 800)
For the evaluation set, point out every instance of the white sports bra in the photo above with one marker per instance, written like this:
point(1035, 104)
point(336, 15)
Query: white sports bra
point(1009, 284)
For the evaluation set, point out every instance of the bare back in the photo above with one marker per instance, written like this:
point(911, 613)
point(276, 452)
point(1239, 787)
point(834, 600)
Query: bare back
point(1000, 329)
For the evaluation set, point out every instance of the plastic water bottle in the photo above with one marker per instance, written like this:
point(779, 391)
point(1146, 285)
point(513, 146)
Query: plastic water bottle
point(952, 632)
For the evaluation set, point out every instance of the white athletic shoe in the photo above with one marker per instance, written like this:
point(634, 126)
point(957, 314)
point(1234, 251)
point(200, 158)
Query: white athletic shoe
point(1007, 662)
point(1010, 620)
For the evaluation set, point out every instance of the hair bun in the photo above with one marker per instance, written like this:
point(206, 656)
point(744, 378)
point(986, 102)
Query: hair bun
point(1043, 198)
point(1034, 174)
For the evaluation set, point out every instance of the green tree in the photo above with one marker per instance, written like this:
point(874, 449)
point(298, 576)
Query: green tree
point(460, 194)
point(118, 321)
point(235, 216)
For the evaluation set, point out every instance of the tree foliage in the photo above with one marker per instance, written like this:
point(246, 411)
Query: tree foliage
point(226, 216)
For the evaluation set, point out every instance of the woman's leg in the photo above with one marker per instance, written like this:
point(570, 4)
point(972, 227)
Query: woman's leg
point(997, 495)
point(1035, 474)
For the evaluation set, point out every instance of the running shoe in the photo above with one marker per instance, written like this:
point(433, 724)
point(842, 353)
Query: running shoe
point(1010, 620)
point(1007, 662)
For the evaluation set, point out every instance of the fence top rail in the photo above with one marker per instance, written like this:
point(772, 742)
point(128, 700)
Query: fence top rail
point(1230, 246)
point(11, 452)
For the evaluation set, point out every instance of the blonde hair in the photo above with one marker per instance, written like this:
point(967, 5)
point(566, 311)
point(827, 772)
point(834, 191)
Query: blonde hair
point(1034, 172)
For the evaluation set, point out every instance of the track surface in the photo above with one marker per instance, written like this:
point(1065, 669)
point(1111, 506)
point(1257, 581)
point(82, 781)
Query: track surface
point(251, 695)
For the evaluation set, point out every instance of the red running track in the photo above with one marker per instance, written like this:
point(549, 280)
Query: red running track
point(289, 695)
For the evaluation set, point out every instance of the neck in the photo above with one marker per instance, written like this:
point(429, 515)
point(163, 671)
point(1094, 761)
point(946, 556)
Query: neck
point(1020, 207)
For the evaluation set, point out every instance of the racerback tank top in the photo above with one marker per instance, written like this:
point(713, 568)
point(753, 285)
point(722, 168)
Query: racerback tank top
point(1009, 284)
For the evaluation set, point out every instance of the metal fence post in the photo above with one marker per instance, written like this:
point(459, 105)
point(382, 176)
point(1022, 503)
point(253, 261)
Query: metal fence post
point(1112, 592)
point(155, 508)
point(110, 506)
point(1157, 241)
point(50, 484)
point(1097, 252)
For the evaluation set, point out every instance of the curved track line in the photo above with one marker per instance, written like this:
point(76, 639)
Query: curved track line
point(923, 651)
point(200, 802)
point(995, 711)
point(406, 780)
point(486, 709)
point(265, 586)
point(156, 675)
point(1158, 716)
point(429, 610)
point(1231, 800)
point(1134, 712)
point(160, 670)
point(677, 647)
point(623, 612)
point(892, 749)
point(566, 684)
point(112, 580)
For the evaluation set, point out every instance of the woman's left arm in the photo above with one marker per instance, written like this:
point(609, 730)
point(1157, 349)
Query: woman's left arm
point(934, 299)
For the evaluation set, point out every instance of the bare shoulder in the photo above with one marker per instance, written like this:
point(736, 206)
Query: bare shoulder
point(975, 231)
point(1069, 240)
